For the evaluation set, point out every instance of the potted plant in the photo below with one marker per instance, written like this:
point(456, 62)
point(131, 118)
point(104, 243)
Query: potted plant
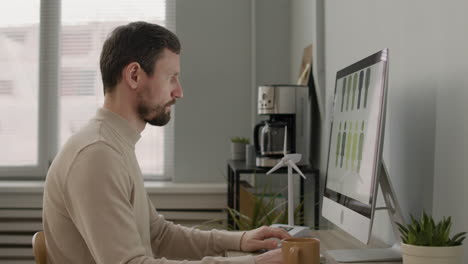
point(238, 148)
point(267, 208)
point(424, 241)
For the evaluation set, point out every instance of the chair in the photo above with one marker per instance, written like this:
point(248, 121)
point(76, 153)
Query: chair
point(39, 248)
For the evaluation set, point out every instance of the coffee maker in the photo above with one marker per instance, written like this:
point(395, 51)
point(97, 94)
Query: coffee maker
point(286, 107)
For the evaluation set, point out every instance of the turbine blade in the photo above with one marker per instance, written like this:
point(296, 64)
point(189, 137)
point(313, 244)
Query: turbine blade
point(296, 169)
point(277, 166)
point(295, 157)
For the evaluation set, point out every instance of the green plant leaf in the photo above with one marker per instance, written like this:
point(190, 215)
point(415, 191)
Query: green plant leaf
point(412, 239)
point(426, 232)
point(267, 210)
point(277, 218)
point(459, 235)
point(272, 211)
point(241, 220)
point(404, 239)
point(457, 239)
point(240, 140)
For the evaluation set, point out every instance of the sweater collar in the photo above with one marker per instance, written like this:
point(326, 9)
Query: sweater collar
point(120, 125)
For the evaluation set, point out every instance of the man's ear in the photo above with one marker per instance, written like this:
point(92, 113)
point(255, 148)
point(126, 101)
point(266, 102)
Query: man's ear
point(131, 75)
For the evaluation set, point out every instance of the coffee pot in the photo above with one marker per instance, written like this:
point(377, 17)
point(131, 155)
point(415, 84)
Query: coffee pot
point(269, 140)
point(269, 137)
point(282, 107)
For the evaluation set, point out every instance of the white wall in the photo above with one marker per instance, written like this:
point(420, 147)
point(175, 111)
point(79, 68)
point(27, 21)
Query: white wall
point(303, 28)
point(272, 36)
point(216, 75)
point(306, 24)
point(451, 148)
point(411, 31)
point(302, 32)
point(272, 44)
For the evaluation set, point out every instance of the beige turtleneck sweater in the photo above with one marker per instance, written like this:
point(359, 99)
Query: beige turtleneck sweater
point(96, 209)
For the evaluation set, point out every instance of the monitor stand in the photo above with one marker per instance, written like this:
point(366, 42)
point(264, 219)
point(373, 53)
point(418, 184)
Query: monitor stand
point(378, 254)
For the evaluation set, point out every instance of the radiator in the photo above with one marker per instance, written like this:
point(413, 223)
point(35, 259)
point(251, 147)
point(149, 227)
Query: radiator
point(21, 215)
point(17, 226)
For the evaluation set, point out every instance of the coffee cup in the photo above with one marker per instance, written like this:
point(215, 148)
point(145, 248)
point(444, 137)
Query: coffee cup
point(301, 251)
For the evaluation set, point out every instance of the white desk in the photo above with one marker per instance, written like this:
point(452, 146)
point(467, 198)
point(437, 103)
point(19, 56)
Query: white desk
point(334, 239)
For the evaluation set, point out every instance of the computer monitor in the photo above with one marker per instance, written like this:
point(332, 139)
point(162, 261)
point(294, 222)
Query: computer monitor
point(356, 141)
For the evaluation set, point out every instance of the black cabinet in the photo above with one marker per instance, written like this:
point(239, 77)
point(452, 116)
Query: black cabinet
point(235, 168)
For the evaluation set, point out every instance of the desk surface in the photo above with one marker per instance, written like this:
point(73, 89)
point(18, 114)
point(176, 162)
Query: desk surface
point(335, 239)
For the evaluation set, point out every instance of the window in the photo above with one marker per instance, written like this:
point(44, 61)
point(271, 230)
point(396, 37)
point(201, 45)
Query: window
point(6, 87)
point(77, 41)
point(77, 82)
point(79, 92)
point(19, 45)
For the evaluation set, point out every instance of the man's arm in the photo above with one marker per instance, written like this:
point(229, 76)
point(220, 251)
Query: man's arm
point(176, 241)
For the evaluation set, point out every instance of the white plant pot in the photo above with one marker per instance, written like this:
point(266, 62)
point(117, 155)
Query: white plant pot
point(238, 151)
point(431, 255)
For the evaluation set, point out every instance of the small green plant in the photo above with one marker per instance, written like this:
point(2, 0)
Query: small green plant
point(424, 232)
point(240, 140)
point(267, 210)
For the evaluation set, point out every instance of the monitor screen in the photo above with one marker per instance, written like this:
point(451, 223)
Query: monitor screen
point(356, 140)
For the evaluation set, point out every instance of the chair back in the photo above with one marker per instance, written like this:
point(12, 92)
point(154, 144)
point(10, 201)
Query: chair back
point(39, 248)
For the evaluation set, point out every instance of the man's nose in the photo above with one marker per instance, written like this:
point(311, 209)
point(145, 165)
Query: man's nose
point(178, 91)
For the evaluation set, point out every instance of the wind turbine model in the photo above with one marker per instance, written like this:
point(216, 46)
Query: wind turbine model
point(290, 160)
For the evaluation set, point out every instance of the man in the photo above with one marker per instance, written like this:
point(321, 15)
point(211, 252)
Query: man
point(96, 209)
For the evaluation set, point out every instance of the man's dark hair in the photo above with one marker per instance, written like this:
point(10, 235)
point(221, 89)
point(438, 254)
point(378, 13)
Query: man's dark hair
point(136, 42)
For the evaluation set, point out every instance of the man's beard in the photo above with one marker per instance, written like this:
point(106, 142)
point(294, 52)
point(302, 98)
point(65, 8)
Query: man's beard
point(155, 116)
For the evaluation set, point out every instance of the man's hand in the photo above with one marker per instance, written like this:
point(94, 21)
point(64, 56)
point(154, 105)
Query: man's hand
point(254, 240)
point(270, 257)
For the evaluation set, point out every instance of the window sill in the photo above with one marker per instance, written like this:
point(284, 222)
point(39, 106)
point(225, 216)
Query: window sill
point(164, 195)
point(181, 188)
point(152, 187)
